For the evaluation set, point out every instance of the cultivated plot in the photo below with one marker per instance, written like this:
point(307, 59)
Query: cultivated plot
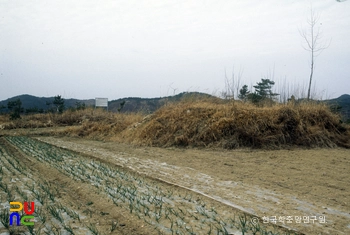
point(75, 194)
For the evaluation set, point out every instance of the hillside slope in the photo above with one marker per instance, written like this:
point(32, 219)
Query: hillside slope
point(132, 104)
point(42, 103)
point(149, 105)
point(342, 105)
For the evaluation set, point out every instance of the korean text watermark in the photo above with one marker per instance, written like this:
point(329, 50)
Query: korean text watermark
point(306, 219)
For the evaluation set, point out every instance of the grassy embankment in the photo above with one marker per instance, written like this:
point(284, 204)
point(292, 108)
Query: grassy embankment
point(205, 123)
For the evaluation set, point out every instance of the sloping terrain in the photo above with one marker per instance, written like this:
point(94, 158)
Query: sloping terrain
point(341, 105)
point(77, 193)
point(297, 183)
point(207, 124)
point(277, 173)
point(131, 104)
point(237, 125)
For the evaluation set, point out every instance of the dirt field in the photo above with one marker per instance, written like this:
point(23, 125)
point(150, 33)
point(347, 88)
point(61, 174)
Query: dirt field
point(305, 190)
point(76, 193)
point(284, 183)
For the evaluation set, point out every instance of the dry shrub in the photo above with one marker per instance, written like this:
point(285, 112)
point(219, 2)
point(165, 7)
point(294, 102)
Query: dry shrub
point(26, 121)
point(4, 118)
point(99, 124)
point(90, 123)
point(236, 124)
point(76, 117)
point(204, 123)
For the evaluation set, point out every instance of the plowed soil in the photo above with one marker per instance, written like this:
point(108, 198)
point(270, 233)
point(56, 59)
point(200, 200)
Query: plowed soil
point(310, 184)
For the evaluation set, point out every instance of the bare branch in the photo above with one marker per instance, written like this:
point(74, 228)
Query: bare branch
point(313, 36)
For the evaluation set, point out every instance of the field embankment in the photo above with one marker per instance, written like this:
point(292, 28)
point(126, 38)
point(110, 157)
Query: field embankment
point(242, 125)
point(203, 124)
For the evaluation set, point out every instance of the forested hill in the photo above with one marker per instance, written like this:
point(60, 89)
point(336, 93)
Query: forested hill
point(136, 104)
point(131, 104)
point(41, 104)
point(342, 105)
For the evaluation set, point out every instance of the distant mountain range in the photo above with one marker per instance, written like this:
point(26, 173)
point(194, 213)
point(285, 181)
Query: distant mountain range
point(342, 105)
point(131, 104)
point(146, 105)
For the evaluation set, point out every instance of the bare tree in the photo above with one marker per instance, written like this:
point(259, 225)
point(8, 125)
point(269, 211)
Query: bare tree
point(232, 87)
point(312, 36)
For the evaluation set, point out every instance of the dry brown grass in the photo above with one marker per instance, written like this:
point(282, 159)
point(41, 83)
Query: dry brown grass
point(96, 124)
point(26, 121)
point(206, 123)
point(90, 123)
point(235, 125)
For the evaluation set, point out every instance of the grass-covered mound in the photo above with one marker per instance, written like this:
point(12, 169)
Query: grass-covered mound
point(235, 125)
point(199, 123)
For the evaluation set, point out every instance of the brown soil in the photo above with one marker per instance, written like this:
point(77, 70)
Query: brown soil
point(264, 183)
point(79, 196)
point(88, 199)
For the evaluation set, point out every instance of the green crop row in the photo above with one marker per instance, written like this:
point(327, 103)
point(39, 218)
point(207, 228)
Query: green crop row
point(166, 210)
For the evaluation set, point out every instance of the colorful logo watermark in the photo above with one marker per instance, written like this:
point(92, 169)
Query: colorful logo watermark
point(26, 219)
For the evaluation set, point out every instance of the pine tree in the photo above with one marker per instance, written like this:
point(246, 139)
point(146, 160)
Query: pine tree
point(263, 92)
point(16, 107)
point(243, 93)
point(59, 103)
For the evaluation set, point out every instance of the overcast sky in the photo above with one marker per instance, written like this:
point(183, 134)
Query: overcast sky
point(134, 48)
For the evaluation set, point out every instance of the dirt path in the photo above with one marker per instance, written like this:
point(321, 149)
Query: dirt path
point(312, 184)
